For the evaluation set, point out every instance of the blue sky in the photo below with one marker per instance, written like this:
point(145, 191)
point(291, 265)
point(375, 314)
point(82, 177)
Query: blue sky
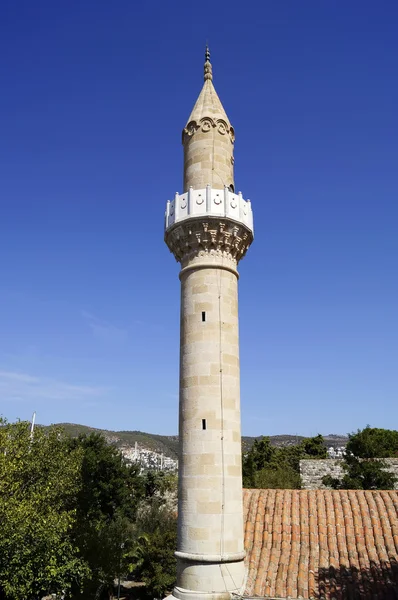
point(93, 99)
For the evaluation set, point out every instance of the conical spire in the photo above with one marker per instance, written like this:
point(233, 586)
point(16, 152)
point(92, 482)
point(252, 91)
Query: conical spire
point(208, 140)
point(208, 103)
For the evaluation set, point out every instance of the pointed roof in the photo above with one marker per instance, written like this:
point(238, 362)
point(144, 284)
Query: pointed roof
point(208, 103)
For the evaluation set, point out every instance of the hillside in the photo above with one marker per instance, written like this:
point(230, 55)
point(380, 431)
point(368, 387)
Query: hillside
point(168, 444)
point(331, 440)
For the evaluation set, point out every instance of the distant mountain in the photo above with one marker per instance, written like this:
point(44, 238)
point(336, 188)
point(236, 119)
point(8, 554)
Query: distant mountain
point(168, 444)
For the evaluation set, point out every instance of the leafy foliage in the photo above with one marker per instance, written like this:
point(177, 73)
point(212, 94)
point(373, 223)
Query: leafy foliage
point(39, 482)
point(278, 477)
point(153, 559)
point(272, 467)
point(368, 474)
point(372, 442)
point(159, 484)
point(106, 508)
point(109, 483)
point(156, 564)
point(74, 516)
point(363, 464)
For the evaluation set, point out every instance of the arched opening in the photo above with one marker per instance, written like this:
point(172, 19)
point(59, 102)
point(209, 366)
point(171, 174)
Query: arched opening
point(231, 188)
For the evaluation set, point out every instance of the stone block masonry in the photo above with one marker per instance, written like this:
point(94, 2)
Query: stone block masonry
point(313, 471)
point(210, 413)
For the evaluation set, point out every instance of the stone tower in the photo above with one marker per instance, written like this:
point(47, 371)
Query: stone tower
point(208, 228)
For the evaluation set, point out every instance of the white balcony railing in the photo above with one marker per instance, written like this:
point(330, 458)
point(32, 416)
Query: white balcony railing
point(209, 202)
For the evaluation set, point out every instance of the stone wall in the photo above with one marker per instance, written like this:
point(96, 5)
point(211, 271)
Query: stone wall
point(312, 471)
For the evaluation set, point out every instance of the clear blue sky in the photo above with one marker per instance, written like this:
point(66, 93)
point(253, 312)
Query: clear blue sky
point(94, 95)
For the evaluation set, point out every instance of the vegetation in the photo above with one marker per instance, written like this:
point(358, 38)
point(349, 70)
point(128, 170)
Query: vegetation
point(153, 559)
point(372, 442)
point(363, 464)
point(39, 483)
point(106, 507)
point(266, 466)
point(75, 516)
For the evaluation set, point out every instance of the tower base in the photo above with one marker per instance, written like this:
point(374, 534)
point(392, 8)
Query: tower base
point(209, 581)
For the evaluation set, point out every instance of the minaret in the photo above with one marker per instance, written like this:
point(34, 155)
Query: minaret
point(208, 229)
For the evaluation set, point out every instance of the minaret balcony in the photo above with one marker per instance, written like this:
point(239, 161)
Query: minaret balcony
point(209, 202)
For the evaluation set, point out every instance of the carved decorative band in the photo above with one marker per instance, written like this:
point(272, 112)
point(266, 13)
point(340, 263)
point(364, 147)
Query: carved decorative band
point(208, 124)
point(211, 558)
point(217, 237)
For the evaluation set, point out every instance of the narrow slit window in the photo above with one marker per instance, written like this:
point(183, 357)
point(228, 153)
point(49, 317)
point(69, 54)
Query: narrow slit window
point(204, 426)
point(203, 317)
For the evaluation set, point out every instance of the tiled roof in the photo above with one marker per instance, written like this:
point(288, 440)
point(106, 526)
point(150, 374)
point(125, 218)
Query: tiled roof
point(321, 544)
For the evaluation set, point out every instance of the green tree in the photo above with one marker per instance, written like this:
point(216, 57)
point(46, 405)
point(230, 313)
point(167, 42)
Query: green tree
point(39, 482)
point(159, 484)
point(157, 563)
point(279, 467)
point(278, 477)
point(314, 447)
point(363, 464)
point(258, 458)
point(110, 484)
point(309, 448)
point(152, 558)
point(106, 508)
point(248, 470)
point(363, 474)
point(372, 442)
point(262, 452)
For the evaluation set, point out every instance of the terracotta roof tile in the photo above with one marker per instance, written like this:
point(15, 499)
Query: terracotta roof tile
point(324, 544)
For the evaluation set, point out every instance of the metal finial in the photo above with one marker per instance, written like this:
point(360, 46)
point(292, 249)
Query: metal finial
point(208, 67)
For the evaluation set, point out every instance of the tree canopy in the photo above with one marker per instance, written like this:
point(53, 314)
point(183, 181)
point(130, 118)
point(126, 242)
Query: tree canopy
point(106, 507)
point(267, 466)
point(72, 512)
point(39, 482)
point(372, 442)
point(364, 467)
